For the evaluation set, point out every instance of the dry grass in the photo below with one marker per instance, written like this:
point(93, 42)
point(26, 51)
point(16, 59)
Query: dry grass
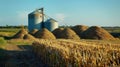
point(79, 29)
point(20, 34)
point(44, 34)
point(28, 36)
point(66, 33)
point(57, 32)
point(33, 31)
point(2, 34)
point(71, 53)
point(3, 42)
point(20, 41)
point(23, 34)
point(96, 32)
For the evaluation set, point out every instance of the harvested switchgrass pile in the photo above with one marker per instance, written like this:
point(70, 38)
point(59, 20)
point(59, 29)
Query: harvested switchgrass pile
point(68, 33)
point(57, 32)
point(33, 31)
point(79, 29)
point(23, 34)
point(44, 34)
point(20, 34)
point(28, 36)
point(68, 53)
point(95, 32)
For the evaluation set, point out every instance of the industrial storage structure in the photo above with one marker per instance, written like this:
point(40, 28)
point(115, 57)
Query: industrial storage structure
point(36, 21)
point(51, 24)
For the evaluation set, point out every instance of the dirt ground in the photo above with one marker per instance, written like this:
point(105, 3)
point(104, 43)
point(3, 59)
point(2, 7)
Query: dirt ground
point(20, 56)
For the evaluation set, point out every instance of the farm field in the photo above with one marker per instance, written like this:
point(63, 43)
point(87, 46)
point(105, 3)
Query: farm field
point(44, 33)
point(8, 31)
point(57, 53)
point(74, 53)
point(69, 53)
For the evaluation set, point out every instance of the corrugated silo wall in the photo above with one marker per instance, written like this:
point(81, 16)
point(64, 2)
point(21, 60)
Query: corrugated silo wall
point(51, 25)
point(34, 21)
point(30, 22)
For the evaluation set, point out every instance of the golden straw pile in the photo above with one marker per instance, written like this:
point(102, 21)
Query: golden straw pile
point(44, 34)
point(96, 32)
point(23, 34)
point(79, 29)
point(69, 53)
point(65, 33)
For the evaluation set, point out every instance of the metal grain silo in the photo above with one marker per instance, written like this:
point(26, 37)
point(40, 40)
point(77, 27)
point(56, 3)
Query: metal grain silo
point(34, 20)
point(51, 24)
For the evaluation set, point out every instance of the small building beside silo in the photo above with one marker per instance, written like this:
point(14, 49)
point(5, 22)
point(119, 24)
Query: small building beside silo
point(36, 21)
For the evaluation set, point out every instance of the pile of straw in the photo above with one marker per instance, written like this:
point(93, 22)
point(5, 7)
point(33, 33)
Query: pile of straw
point(66, 33)
point(96, 32)
point(57, 32)
point(44, 34)
point(68, 53)
point(20, 34)
point(28, 36)
point(33, 31)
point(79, 29)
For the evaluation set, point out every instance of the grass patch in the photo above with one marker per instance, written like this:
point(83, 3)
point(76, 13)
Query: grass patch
point(20, 42)
point(8, 31)
point(2, 41)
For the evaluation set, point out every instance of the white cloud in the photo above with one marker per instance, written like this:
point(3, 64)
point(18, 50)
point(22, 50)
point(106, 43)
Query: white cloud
point(60, 17)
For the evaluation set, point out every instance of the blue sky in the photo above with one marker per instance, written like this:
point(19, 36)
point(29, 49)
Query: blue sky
point(66, 12)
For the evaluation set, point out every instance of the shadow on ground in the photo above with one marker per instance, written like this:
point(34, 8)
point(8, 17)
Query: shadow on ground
point(20, 58)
